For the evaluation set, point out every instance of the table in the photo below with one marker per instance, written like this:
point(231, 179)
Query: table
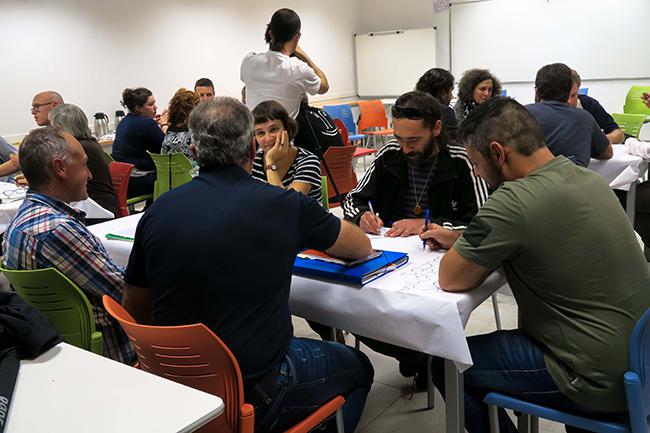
point(9, 207)
point(68, 389)
point(387, 309)
point(622, 172)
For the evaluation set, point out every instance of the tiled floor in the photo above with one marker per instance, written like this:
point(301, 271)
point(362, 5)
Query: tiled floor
point(392, 405)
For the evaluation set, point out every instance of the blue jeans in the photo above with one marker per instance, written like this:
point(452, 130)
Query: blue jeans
point(312, 373)
point(511, 363)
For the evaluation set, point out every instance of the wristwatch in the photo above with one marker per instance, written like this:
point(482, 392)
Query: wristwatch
point(271, 167)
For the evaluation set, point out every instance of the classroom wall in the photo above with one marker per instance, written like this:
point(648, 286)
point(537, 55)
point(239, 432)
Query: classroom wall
point(378, 15)
point(91, 51)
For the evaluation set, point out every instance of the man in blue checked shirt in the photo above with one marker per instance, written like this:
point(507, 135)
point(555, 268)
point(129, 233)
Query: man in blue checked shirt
point(48, 233)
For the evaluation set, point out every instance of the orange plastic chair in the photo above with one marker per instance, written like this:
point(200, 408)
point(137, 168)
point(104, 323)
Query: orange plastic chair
point(361, 152)
point(339, 161)
point(194, 356)
point(120, 173)
point(373, 115)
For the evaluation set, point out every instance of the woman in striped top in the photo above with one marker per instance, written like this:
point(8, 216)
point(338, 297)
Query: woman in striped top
point(277, 161)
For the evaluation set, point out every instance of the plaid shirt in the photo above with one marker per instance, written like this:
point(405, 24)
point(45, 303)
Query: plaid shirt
point(47, 233)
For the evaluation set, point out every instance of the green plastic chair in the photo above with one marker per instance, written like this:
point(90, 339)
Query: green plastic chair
point(172, 170)
point(62, 302)
point(107, 157)
point(324, 199)
point(633, 102)
point(630, 123)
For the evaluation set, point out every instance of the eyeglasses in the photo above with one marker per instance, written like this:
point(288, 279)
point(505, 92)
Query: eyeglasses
point(37, 107)
point(399, 111)
point(13, 194)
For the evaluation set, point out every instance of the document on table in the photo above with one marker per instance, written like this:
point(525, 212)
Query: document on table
point(123, 234)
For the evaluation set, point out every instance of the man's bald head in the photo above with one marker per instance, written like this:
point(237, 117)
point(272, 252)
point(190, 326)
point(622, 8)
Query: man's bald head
point(42, 104)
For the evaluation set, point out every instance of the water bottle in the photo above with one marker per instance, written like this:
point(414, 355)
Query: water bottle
point(101, 125)
point(119, 115)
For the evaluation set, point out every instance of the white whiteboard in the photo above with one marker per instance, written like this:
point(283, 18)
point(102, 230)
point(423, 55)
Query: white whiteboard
point(601, 39)
point(390, 63)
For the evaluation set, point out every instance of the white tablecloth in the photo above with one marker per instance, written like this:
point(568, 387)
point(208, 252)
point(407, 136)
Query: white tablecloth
point(404, 307)
point(622, 170)
point(9, 206)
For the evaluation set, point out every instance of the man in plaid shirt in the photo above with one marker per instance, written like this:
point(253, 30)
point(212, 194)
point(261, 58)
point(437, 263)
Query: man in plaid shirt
point(47, 232)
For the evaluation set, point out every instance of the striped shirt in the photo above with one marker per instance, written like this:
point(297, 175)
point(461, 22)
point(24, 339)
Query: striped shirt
point(305, 168)
point(47, 233)
point(416, 192)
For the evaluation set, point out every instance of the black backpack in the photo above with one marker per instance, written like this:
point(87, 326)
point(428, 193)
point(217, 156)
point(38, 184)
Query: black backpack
point(316, 131)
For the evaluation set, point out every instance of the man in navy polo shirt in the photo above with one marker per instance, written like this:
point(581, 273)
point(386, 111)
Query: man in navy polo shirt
point(220, 250)
point(567, 131)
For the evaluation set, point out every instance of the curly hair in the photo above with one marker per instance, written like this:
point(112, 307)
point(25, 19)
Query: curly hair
point(471, 78)
point(181, 105)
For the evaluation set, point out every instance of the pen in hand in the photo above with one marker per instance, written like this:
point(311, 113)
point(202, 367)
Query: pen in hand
point(426, 224)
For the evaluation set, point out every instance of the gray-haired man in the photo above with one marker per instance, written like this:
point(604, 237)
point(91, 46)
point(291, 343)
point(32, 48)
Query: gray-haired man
point(220, 249)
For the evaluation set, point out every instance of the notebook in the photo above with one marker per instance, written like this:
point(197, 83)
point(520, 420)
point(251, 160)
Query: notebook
point(358, 274)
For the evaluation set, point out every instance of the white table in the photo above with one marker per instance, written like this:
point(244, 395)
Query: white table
point(68, 389)
point(622, 172)
point(423, 319)
point(9, 206)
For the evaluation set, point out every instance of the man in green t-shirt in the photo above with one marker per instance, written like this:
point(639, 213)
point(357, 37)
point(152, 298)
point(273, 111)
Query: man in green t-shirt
point(573, 263)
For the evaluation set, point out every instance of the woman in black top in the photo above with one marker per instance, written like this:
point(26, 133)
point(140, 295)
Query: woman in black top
point(100, 188)
point(475, 87)
point(136, 134)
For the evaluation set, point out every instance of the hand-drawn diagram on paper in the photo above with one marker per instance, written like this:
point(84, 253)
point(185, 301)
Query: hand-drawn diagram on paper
point(421, 277)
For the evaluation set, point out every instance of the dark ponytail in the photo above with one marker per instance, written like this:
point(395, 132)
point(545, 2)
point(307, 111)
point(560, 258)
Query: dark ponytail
point(284, 25)
point(132, 98)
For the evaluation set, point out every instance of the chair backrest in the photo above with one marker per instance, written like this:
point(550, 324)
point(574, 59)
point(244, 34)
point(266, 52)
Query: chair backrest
point(504, 92)
point(373, 114)
point(172, 170)
point(339, 161)
point(194, 356)
point(637, 383)
point(630, 123)
point(583, 91)
point(62, 302)
point(107, 157)
point(342, 131)
point(120, 174)
point(633, 102)
point(324, 198)
point(342, 112)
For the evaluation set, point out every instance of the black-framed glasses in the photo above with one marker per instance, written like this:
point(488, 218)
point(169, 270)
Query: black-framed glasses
point(399, 111)
point(37, 107)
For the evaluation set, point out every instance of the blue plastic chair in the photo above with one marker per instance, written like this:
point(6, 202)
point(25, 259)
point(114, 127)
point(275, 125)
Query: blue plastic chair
point(343, 112)
point(504, 92)
point(583, 91)
point(637, 389)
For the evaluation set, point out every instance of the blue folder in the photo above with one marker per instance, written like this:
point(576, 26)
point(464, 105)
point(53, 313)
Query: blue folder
point(360, 274)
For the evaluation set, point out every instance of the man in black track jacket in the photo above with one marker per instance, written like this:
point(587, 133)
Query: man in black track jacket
point(419, 170)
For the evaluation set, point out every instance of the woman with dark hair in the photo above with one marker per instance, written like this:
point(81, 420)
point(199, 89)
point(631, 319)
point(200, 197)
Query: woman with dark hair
point(177, 139)
point(137, 133)
point(284, 72)
point(475, 87)
point(277, 161)
point(439, 83)
point(100, 187)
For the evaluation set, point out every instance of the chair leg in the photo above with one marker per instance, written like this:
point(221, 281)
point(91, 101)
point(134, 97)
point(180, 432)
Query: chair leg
point(493, 413)
point(357, 343)
point(524, 423)
point(497, 314)
point(340, 427)
point(534, 424)
point(431, 390)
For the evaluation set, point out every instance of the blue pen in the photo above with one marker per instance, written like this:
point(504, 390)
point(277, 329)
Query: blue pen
point(426, 224)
